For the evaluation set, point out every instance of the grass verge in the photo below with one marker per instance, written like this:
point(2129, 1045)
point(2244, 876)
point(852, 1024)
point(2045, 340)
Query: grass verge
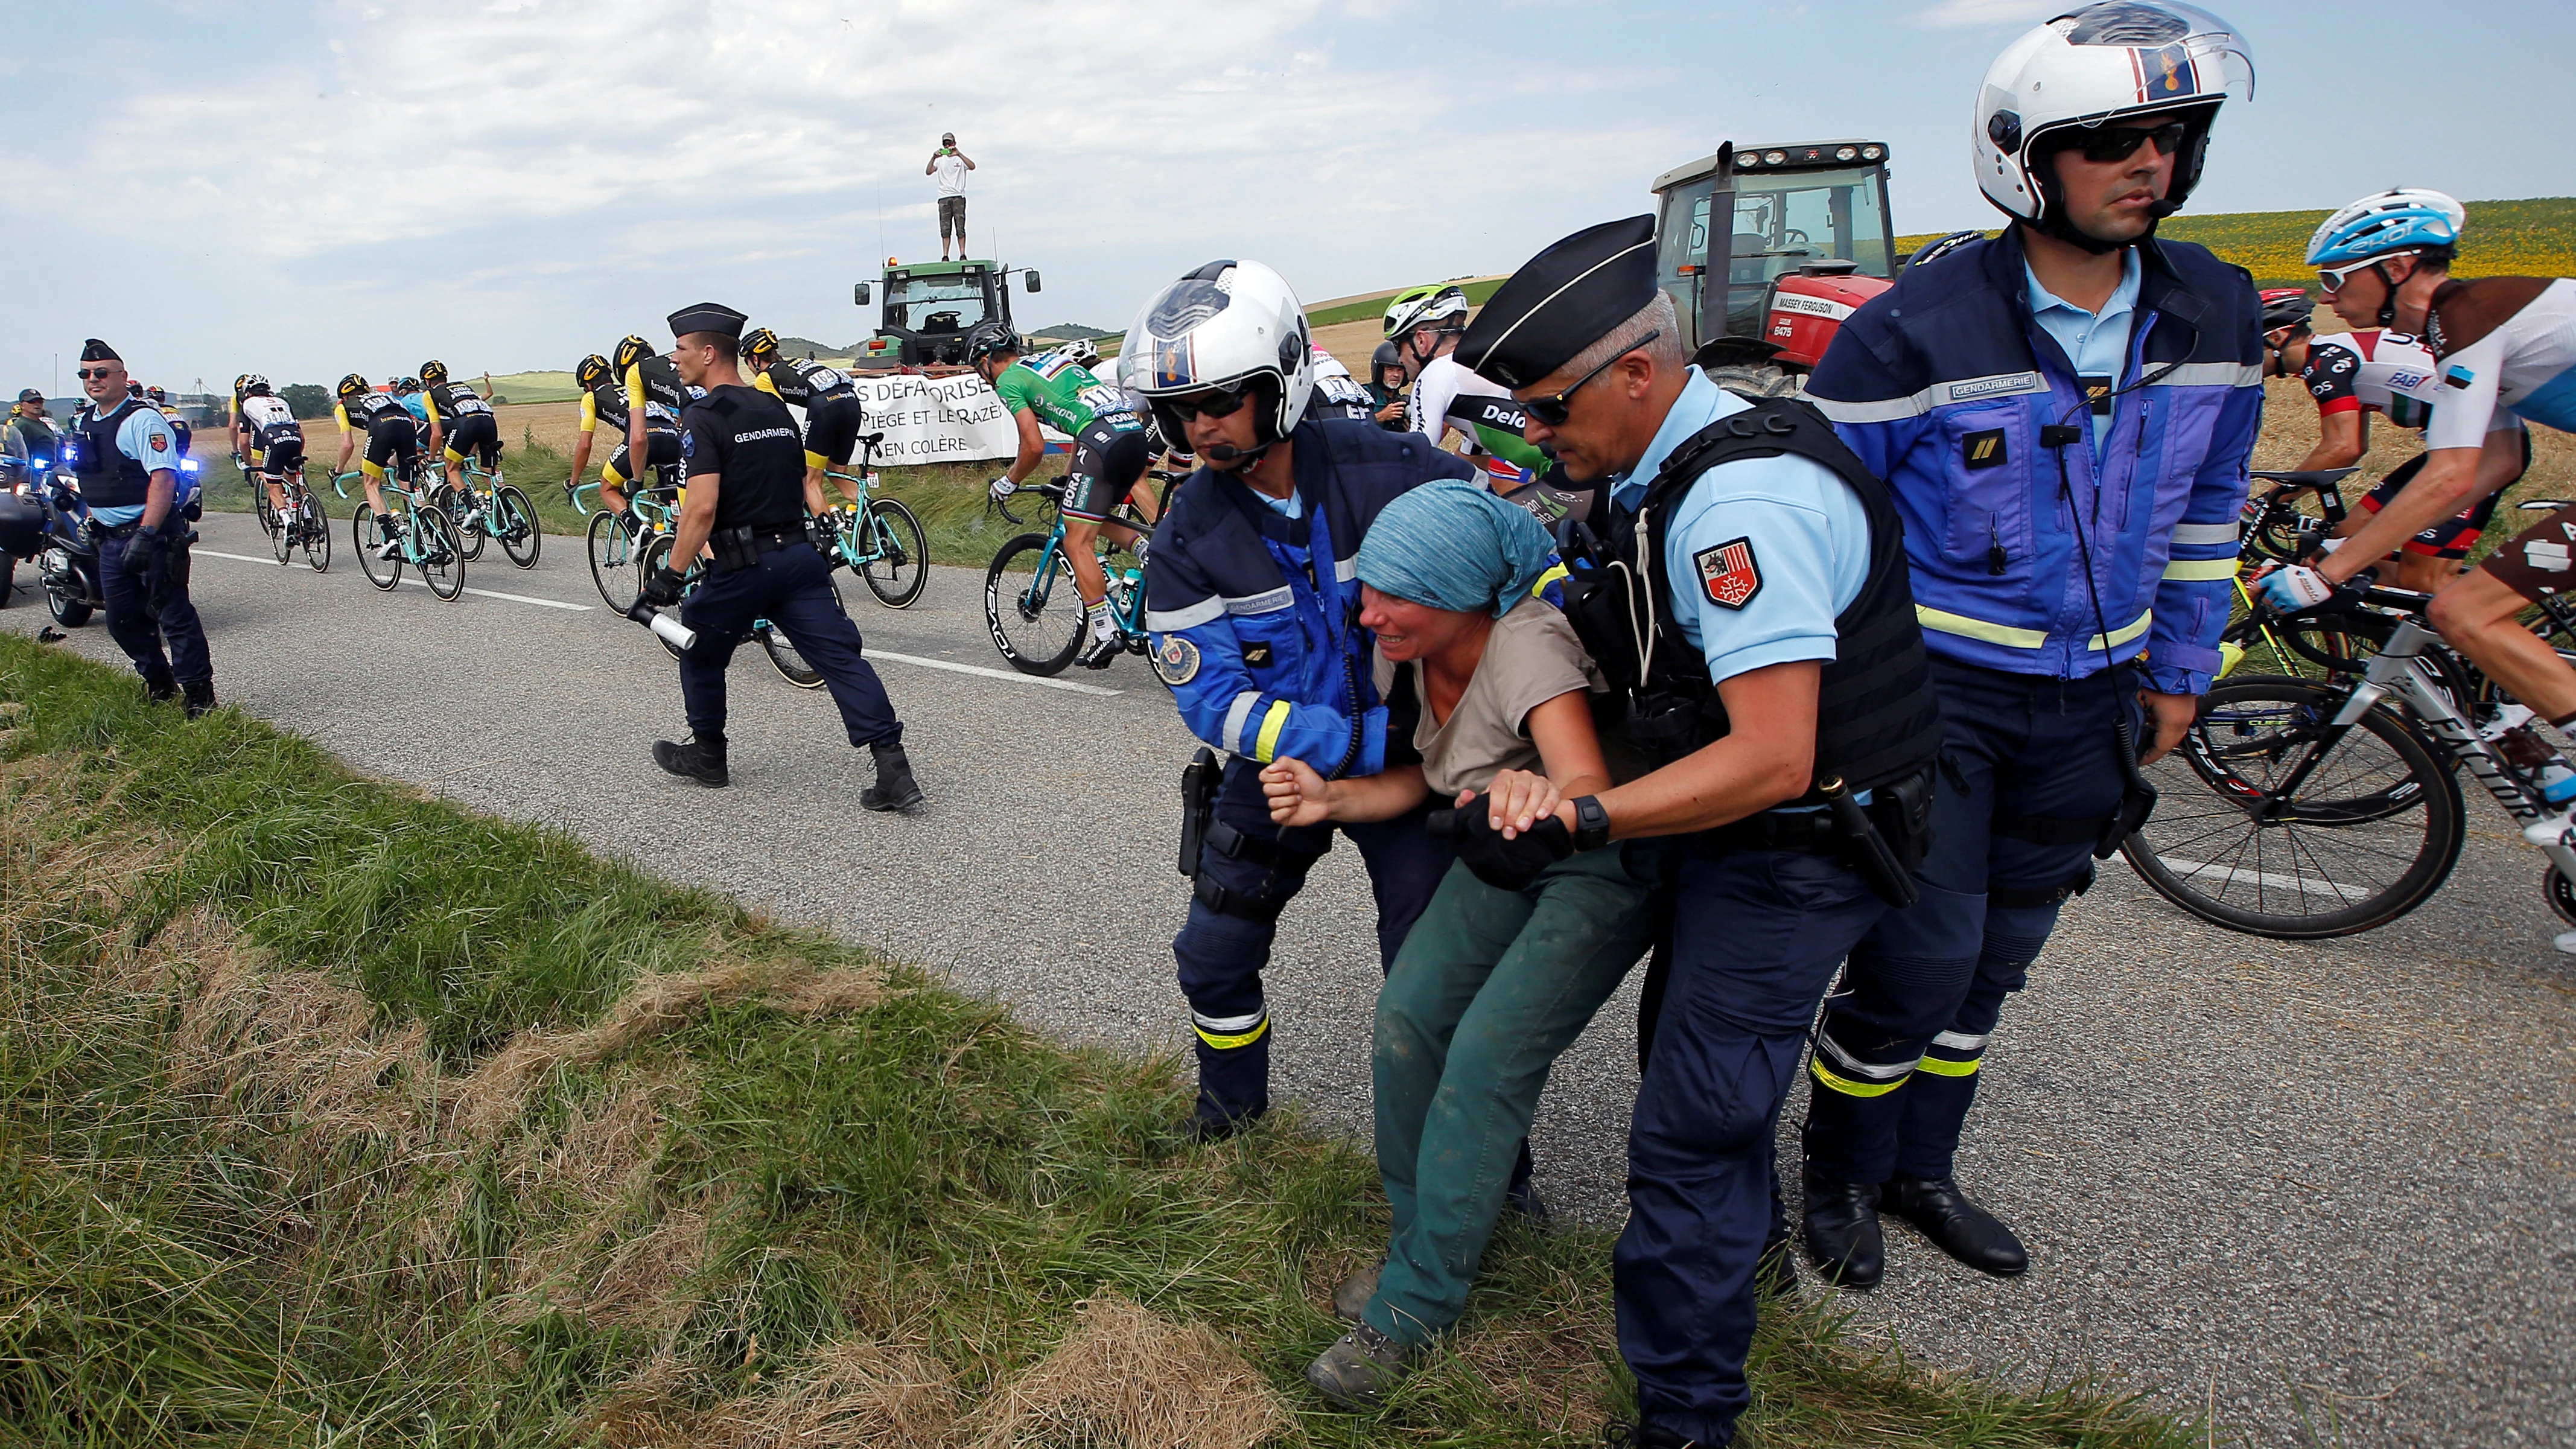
point(332, 1114)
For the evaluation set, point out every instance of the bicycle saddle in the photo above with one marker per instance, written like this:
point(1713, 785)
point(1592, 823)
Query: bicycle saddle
point(2312, 478)
point(871, 439)
point(2541, 505)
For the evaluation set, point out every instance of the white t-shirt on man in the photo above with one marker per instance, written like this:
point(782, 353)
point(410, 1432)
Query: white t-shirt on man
point(951, 171)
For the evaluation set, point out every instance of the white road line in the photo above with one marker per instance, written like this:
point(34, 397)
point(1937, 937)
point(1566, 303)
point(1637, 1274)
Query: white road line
point(1012, 676)
point(415, 583)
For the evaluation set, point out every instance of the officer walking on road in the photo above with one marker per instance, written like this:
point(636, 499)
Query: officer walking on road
point(1785, 714)
point(1252, 603)
point(748, 498)
point(2064, 415)
point(137, 495)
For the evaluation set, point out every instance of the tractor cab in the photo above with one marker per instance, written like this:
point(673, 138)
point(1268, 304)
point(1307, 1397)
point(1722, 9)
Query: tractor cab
point(1766, 249)
point(929, 308)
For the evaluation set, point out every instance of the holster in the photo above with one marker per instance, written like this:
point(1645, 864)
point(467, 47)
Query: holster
point(1868, 852)
point(2137, 796)
point(734, 549)
point(1199, 781)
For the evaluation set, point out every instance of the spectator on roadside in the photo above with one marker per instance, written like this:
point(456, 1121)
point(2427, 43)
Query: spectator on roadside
point(28, 432)
point(950, 165)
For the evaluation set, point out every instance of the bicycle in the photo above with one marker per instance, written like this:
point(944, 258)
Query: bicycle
point(499, 511)
point(1033, 564)
point(2332, 806)
point(423, 538)
point(616, 541)
point(303, 525)
point(782, 652)
point(878, 538)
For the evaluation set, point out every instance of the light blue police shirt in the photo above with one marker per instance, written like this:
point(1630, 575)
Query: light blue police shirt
point(147, 438)
point(2096, 342)
point(1802, 534)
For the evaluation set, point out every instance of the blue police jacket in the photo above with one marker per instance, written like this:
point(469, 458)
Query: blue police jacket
point(1254, 616)
point(1942, 384)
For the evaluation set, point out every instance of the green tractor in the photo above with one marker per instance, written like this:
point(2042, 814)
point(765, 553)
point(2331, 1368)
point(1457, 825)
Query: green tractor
point(930, 307)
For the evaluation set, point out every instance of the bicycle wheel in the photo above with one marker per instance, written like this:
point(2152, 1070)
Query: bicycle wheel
point(2373, 831)
point(454, 504)
point(790, 664)
point(901, 568)
point(316, 528)
point(283, 530)
point(612, 561)
point(514, 522)
point(1031, 605)
point(259, 503)
point(384, 571)
point(442, 559)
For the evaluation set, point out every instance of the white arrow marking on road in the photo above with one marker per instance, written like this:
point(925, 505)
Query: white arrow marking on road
point(979, 670)
point(415, 583)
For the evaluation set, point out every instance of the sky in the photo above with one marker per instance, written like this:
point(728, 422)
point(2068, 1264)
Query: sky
point(306, 189)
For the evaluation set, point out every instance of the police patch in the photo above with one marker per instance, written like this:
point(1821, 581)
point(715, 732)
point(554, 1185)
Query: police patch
point(1983, 450)
point(1176, 661)
point(688, 445)
point(160, 442)
point(1729, 573)
point(1257, 656)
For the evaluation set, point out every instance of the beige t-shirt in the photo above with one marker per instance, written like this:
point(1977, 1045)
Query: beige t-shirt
point(1530, 658)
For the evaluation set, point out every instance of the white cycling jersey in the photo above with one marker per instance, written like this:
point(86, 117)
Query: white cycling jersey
point(2502, 343)
point(1426, 411)
point(2385, 372)
point(263, 415)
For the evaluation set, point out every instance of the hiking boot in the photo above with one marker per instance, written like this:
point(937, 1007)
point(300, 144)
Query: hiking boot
point(200, 699)
point(1352, 1298)
point(1645, 1436)
point(1203, 1128)
point(895, 791)
point(1359, 1368)
point(693, 760)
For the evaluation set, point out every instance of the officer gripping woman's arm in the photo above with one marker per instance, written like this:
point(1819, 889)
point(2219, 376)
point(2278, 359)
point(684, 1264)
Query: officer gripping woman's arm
point(1251, 602)
point(747, 501)
point(1743, 588)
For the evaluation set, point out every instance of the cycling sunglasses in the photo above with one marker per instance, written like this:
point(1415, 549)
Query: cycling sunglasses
point(1219, 402)
point(1553, 411)
point(2119, 143)
point(2332, 278)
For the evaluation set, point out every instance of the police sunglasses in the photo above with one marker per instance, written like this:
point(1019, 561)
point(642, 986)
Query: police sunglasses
point(2119, 143)
point(1553, 411)
point(1221, 402)
point(86, 373)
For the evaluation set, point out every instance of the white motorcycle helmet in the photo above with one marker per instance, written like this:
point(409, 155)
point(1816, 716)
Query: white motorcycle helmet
point(2092, 66)
point(1225, 325)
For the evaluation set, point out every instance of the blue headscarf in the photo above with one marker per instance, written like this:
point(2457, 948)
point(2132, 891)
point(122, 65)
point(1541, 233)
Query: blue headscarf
point(1453, 545)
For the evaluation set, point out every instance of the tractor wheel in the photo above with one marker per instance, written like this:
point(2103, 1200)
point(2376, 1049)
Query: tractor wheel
point(1754, 379)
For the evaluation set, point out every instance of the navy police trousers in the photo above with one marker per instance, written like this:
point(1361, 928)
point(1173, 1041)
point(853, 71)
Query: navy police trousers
point(1756, 936)
point(2030, 772)
point(139, 631)
point(1249, 870)
point(791, 588)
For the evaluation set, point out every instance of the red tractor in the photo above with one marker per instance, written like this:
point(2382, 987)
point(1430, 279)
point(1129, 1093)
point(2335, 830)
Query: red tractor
point(1806, 240)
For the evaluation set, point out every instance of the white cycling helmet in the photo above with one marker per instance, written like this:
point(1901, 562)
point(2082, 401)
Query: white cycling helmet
point(1226, 325)
point(2403, 219)
point(2090, 66)
point(1082, 353)
point(1326, 364)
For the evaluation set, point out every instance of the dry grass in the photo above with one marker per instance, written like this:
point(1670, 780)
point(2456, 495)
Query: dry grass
point(1127, 1378)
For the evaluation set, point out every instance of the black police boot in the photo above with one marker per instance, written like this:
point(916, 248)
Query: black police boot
point(1956, 1226)
point(1648, 1436)
point(161, 690)
point(1843, 1236)
point(200, 699)
point(895, 789)
point(694, 760)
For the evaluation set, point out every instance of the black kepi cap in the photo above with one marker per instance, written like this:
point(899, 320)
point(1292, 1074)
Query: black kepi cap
point(96, 351)
point(713, 317)
point(1562, 301)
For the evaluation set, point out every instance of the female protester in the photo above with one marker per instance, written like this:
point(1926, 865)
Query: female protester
point(1491, 984)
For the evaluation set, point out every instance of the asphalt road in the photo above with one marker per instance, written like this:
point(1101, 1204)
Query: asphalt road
point(2323, 1185)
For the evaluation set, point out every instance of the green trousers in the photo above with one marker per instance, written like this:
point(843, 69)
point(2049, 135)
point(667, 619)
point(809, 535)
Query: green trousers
point(1489, 988)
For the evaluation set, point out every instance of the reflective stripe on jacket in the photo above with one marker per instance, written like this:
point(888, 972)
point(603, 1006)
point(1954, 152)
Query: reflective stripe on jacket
point(1254, 617)
point(1942, 385)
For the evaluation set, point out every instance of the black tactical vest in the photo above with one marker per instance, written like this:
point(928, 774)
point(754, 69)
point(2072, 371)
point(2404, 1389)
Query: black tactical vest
point(1877, 718)
point(108, 478)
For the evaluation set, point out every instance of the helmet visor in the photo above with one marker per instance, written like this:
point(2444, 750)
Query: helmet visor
point(2178, 53)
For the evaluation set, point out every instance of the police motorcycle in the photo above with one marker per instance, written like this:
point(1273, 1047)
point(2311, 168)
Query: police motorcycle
point(43, 518)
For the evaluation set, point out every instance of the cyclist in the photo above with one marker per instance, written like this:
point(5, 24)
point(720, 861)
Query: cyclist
point(159, 398)
point(2498, 343)
point(266, 433)
point(461, 423)
point(392, 437)
point(604, 398)
point(1425, 324)
point(828, 396)
point(1337, 393)
point(1110, 456)
point(2370, 370)
point(648, 380)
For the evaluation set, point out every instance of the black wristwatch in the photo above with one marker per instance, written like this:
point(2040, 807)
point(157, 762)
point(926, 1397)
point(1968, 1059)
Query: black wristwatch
point(1591, 823)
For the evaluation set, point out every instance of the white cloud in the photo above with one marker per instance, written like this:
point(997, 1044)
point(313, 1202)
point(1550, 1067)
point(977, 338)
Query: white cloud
point(1950, 14)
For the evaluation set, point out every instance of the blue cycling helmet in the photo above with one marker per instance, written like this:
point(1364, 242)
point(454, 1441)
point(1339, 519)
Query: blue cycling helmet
point(2403, 219)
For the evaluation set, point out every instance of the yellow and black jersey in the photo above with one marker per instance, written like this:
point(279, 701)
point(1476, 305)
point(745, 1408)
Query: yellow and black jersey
point(652, 379)
point(358, 414)
point(452, 400)
point(806, 383)
point(606, 403)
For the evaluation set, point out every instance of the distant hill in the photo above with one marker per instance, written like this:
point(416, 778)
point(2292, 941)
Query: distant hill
point(2534, 238)
point(1069, 332)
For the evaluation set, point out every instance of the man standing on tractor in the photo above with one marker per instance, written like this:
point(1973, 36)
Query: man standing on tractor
point(2499, 344)
point(950, 165)
point(2064, 415)
point(2372, 370)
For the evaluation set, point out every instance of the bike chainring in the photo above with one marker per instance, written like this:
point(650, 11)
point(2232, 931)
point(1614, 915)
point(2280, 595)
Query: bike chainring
point(2562, 895)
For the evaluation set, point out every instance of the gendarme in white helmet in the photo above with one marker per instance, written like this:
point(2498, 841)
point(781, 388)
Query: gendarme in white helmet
point(1225, 325)
point(2091, 66)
